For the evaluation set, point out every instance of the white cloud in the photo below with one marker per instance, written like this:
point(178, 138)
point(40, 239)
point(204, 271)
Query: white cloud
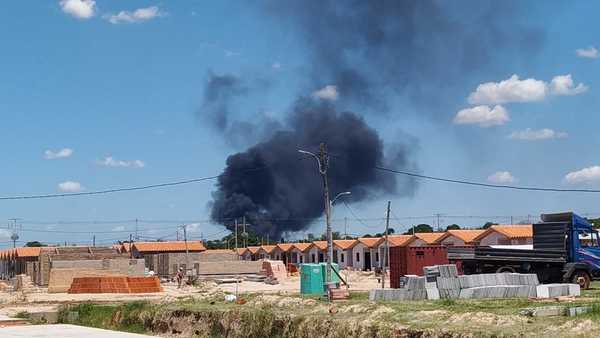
point(328, 92)
point(514, 89)
point(563, 85)
point(70, 186)
point(230, 53)
point(483, 116)
point(536, 135)
point(589, 174)
point(81, 9)
point(113, 162)
point(118, 228)
point(193, 228)
point(590, 52)
point(510, 90)
point(139, 15)
point(62, 153)
point(5, 234)
point(501, 177)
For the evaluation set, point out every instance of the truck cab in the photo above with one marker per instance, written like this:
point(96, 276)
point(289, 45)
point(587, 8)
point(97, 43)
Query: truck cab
point(582, 247)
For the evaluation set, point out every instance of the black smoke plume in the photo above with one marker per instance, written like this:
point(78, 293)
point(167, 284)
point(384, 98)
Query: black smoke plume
point(285, 192)
point(377, 53)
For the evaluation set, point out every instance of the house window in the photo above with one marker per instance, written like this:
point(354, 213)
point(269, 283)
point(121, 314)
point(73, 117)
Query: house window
point(357, 257)
point(313, 258)
point(301, 259)
point(342, 258)
point(377, 257)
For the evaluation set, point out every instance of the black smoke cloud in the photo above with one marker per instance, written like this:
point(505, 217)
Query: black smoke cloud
point(374, 52)
point(286, 192)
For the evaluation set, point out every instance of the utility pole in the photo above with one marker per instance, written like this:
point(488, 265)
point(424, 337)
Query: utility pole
point(323, 165)
point(130, 246)
point(386, 258)
point(245, 234)
point(177, 233)
point(187, 253)
point(94, 241)
point(236, 242)
point(15, 235)
point(345, 227)
point(137, 237)
point(438, 222)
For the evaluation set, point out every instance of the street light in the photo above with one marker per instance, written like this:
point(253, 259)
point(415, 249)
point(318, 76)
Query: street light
point(322, 162)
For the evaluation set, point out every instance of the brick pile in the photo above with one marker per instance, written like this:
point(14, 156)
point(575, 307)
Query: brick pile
point(115, 285)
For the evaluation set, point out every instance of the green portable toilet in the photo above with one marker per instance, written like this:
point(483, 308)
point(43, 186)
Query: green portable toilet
point(312, 278)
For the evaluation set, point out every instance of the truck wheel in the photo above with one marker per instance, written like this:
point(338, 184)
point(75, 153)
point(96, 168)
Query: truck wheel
point(505, 269)
point(582, 278)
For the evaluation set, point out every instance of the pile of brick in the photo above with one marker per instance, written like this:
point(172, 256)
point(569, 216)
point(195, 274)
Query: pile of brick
point(115, 285)
point(274, 270)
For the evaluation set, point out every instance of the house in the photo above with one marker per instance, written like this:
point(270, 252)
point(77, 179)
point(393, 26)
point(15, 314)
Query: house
point(244, 254)
point(253, 250)
point(299, 252)
point(459, 237)
point(429, 238)
point(365, 255)
point(139, 249)
point(342, 249)
point(269, 252)
point(318, 252)
point(23, 256)
point(506, 235)
point(285, 249)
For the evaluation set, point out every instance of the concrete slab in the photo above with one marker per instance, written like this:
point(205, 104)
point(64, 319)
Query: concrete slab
point(63, 331)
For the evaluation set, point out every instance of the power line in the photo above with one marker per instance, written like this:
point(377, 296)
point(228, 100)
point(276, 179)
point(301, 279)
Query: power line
point(487, 185)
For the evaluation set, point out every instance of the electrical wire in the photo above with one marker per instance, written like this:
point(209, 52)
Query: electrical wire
point(487, 185)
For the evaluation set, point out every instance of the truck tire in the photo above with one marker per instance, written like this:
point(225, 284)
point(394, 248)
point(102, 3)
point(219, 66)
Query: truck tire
point(506, 269)
point(582, 278)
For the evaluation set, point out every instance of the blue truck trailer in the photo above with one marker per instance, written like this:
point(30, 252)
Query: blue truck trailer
point(565, 249)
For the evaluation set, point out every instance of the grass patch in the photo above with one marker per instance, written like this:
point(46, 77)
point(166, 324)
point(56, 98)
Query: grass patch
point(128, 317)
point(22, 315)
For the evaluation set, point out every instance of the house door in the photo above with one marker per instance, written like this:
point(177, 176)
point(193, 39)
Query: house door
point(367, 261)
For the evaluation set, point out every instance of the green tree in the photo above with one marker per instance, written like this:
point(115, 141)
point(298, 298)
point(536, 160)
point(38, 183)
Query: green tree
point(419, 228)
point(488, 224)
point(595, 222)
point(34, 244)
point(453, 227)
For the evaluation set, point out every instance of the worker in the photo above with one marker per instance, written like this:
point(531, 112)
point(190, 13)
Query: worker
point(179, 277)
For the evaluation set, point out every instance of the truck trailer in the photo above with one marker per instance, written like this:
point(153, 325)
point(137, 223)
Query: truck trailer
point(565, 249)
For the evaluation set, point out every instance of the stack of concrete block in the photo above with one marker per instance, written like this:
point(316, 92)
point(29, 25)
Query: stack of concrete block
point(498, 291)
point(397, 294)
point(558, 290)
point(413, 289)
point(441, 281)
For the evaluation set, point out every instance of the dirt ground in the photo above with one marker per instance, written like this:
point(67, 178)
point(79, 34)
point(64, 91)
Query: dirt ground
point(42, 301)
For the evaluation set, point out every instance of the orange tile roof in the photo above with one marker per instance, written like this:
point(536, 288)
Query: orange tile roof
point(510, 231)
point(322, 245)
point(302, 246)
point(285, 247)
point(253, 249)
point(242, 251)
point(370, 242)
point(168, 246)
point(345, 244)
point(467, 236)
point(429, 237)
point(28, 252)
point(268, 248)
point(400, 240)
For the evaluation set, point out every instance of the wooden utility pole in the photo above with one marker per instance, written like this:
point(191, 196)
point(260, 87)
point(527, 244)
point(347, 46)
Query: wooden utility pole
point(386, 258)
point(323, 165)
point(236, 237)
point(187, 253)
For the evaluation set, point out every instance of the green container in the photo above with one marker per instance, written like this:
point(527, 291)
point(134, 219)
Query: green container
point(312, 278)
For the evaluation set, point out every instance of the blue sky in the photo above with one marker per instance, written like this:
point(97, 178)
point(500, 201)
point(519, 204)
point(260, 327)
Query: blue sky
point(121, 92)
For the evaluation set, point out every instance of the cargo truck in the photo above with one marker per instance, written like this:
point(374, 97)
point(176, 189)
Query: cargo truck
point(565, 249)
